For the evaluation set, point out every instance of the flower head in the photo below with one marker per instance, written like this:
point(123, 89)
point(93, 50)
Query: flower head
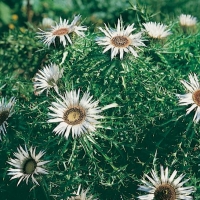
point(156, 30)
point(192, 97)
point(47, 22)
point(6, 110)
point(80, 116)
point(81, 195)
point(120, 40)
point(187, 20)
point(47, 78)
point(62, 31)
point(27, 164)
point(165, 187)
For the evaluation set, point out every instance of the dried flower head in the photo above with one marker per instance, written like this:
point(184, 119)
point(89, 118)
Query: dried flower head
point(81, 195)
point(47, 78)
point(6, 110)
point(76, 115)
point(27, 165)
point(156, 30)
point(165, 187)
point(120, 40)
point(80, 116)
point(187, 20)
point(192, 97)
point(62, 31)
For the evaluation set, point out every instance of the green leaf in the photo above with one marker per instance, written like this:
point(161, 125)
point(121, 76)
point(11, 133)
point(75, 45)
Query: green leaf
point(5, 13)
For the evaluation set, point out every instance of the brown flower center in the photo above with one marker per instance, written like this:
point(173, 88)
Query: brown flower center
point(74, 115)
point(51, 82)
point(29, 166)
point(165, 192)
point(196, 97)
point(120, 41)
point(61, 31)
point(3, 116)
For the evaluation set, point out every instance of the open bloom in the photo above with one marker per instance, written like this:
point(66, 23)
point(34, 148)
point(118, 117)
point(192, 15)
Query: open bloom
point(165, 187)
point(6, 110)
point(81, 195)
point(156, 30)
point(27, 164)
point(74, 114)
point(47, 78)
point(187, 20)
point(62, 31)
point(192, 97)
point(120, 40)
point(80, 116)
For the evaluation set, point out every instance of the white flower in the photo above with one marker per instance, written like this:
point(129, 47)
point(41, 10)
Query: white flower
point(6, 110)
point(165, 187)
point(47, 22)
point(187, 20)
point(156, 30)
point(27, 164)
point(62, 31)
point(47, 78)
point(82, 195)
point(120, 40)
point(192, 97)
point(80, 116)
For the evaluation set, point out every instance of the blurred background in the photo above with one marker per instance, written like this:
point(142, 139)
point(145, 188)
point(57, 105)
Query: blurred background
point(16, 14)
